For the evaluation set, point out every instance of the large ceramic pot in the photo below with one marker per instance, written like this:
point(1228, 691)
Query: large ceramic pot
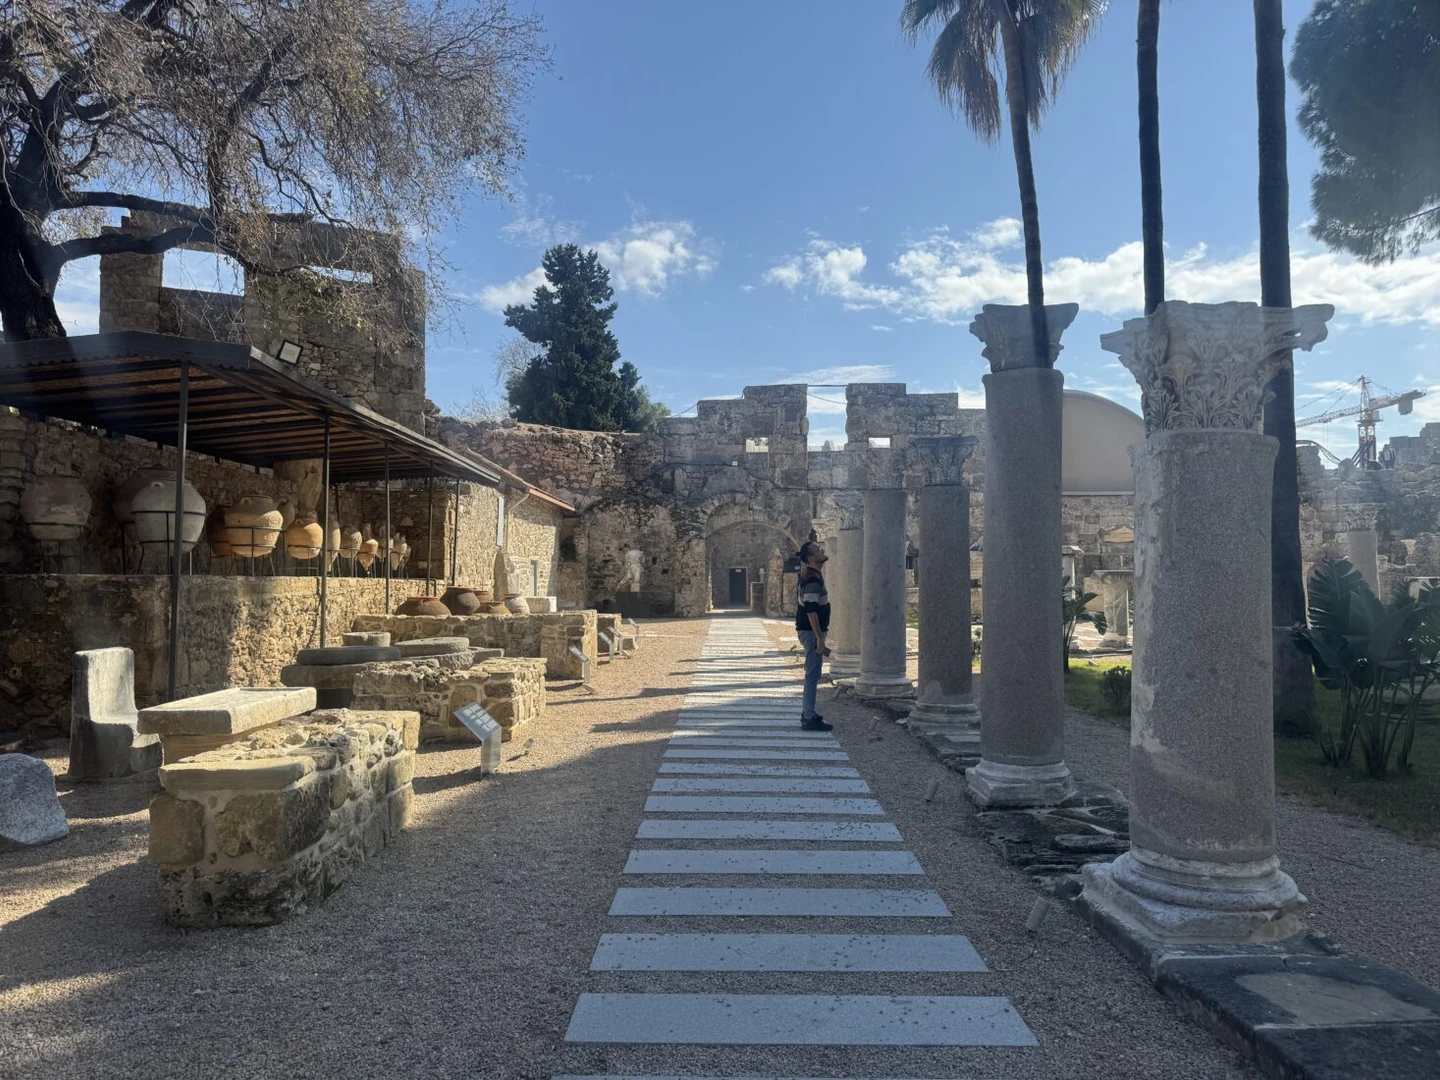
point(287, 513)
point(216, 536)
point(55, 507)
point(350, 541)
point(153, 508)
point(461, 600)
point(368, 551)
point(304, 537)
point(253, 526)
point(422, 605)
point(332, 548)
point(399, 552)
point(515, 604)
point(120, 500)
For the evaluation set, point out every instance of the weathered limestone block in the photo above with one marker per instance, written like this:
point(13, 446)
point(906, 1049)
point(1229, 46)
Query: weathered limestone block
point(511, 689)
point(261, 829)
point(547, 636)
point(196, 725)
point(105, 741)
point(378, 637)
point(30, 811)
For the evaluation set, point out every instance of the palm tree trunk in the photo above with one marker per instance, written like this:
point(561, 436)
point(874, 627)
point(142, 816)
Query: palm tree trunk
point(1294, 684)
point(1152, 218)
point(1015, 97)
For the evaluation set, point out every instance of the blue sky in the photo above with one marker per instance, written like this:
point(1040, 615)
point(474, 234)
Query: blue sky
point(781, 197)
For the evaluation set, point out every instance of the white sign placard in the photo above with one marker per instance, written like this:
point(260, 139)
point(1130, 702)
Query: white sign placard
point(575, 652)
point(480, 723)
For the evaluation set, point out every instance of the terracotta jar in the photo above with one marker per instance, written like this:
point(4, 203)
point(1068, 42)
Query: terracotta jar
point(332, 549)
point(422, 605)
point(55, 507)
point(120, 500)
point(368, 551)
point(287, 513)
point(461, 600)
point(304, 537)
point(399, 551)
point(253, 526)
point(515, 604)
point(350, 541)
point(153, 508)
point(216, 536)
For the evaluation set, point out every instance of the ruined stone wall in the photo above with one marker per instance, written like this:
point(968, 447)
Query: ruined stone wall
point(264, 828)
point(195, 313)
point(511, 690)
point(532, 548)
point(548, 636)
point(755, 548)
point(236, 631)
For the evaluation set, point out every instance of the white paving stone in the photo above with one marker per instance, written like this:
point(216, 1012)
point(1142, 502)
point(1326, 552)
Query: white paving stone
point(790, 733)
point(772, 785)
point(797, 1020)
point(721, 768)
point(879, 832)
point(786, 952)
point(742, 743)
point(706, 900)
point(757, 755)
point(710, 861)
point(758, 804)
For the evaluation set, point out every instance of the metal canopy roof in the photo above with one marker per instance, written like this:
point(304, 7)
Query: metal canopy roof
point(244, 405)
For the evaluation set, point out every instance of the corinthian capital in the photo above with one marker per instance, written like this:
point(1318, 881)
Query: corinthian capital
point(1009, 338)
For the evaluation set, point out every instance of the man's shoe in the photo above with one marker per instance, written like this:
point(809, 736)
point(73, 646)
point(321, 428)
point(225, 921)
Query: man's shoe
point(816, 723)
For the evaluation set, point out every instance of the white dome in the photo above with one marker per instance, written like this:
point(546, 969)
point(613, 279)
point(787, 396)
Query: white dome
point(1096, 434)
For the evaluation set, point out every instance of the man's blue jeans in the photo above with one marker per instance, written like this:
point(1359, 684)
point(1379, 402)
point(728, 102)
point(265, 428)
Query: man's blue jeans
point(813, 662)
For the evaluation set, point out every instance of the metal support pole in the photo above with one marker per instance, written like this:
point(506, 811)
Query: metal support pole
point(178, 526)
point(430, 530)
point(389, 551)
point(325, 569)
point(455, 536)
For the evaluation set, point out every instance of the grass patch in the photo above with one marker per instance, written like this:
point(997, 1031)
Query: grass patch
point(1405, 803)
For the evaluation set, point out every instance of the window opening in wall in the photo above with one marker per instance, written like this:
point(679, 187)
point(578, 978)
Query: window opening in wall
point(202, 270)
point(500, 523)
point(880, 442)
point(759, 444)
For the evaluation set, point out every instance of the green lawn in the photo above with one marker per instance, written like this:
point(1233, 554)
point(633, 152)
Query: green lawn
point(1408, 803)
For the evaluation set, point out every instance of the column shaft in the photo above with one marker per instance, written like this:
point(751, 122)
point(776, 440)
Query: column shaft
point(843, 575)
point(882, 624)
point(944, 694)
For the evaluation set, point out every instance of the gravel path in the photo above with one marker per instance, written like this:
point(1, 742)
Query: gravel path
point(463, 949)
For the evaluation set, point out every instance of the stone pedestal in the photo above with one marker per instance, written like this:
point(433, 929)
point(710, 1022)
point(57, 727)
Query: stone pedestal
point(882, 620)
point(1022, 731)
point(1115, 595)
point(1202, 867)
point(1362, 542)
point(945, 699)
point(842, 578)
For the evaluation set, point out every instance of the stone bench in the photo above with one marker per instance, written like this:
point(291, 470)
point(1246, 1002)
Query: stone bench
point(263, 828)
point(105, 738)
point(512, 690)
point(196, 724)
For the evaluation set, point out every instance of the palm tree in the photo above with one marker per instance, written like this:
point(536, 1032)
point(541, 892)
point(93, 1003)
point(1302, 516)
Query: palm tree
point(1152, 218)
point(1031, 45)
point(1293, 682)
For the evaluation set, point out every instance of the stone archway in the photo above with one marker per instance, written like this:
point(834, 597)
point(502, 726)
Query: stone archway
point(745, 539)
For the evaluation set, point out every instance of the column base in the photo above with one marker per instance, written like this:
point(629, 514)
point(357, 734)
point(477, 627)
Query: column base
point(952, 717)
point(844, 664)
point(1110, 641)
point(993, 784)
point(1184, 901)
point(883, 686)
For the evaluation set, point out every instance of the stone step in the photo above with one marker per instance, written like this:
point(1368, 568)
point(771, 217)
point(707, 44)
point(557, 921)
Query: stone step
point(757, 755)
point(680, 861)
point(878, 832)
point(758, 804)
point(775, 785)
point(817, 903)
point(721, 768)
point(786, 952)
point(797, 1020)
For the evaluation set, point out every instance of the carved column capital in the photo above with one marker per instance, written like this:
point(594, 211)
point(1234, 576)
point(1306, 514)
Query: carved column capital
point(1208, 365)
point(1358, 517)
point(940, 459)
point(1010, 342)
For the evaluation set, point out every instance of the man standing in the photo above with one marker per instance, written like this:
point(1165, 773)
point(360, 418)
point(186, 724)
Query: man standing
point(812, 623)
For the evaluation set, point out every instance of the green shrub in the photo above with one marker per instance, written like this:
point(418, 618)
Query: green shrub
point(1115, 689)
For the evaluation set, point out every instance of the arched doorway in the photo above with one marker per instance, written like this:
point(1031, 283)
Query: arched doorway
point(746, 549)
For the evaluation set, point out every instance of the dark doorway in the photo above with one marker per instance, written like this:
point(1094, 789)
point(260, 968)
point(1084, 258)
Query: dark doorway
point(739, 595)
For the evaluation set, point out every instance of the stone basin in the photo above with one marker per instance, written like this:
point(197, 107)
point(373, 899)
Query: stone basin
point(346, 654)
point(431, 646)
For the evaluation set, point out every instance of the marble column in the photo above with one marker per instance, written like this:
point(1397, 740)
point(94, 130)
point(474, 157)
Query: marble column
point(1022, 697)
point(882, 588)
point(842, 579)
point(1202, 865)
point(946, 701)
point(1362, 542)
point(1115, 595)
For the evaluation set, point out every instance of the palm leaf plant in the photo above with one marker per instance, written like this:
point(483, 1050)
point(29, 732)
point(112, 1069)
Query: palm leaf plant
point(1073, 610)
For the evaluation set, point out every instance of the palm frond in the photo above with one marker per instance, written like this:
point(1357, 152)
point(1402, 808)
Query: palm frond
point(1052, 33)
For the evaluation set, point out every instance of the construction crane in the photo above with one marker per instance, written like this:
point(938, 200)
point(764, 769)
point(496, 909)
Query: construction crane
point(1366, 411)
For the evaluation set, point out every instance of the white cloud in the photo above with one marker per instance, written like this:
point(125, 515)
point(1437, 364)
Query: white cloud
point(747, 288)
point(77, 296)
point(843, 375)
point(535, 226)
point(882, 328)
point(998, 234)
point(518, 290)
point(645, 255)
point(970, 398)
point(945, 280)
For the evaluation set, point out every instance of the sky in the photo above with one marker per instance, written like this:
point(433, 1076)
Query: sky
point(780, 196)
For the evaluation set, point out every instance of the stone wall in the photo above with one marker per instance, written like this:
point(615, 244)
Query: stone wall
point(264, 828)
point(237, 631)
point(546, 636)
point(511, 689)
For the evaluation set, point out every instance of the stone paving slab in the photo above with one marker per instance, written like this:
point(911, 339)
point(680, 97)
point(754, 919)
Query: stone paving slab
point(769, 785)
point(705, 900)
point(879, 832)
point(720, 768)
point(786, 952)
point(781, 741)
point(797, 1020)
point(758, 804)
point(227, 712)
point(679, 861)
point(724, 723)
point(790, 732)
point(758, 755)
